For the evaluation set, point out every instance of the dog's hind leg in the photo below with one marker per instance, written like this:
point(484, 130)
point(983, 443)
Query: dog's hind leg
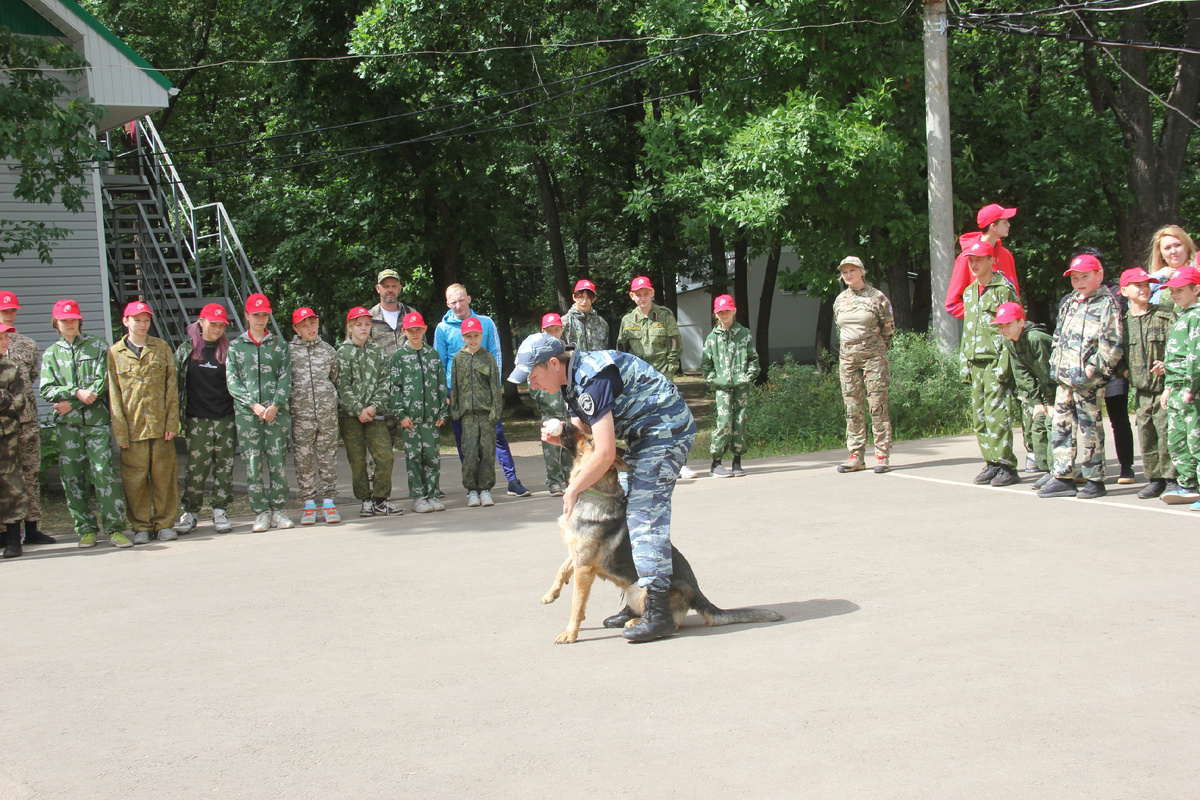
point(560, 580)
point(584, 576)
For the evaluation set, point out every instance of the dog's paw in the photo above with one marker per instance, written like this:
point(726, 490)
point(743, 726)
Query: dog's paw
point(567, 637)
point(633, 622)
point(549, 597)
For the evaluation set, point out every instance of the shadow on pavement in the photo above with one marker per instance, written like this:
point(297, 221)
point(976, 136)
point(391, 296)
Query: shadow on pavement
point(798, 611)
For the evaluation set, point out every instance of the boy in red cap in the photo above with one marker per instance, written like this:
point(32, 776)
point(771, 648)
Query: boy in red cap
point(1029, 348)
point(364, 394)
point(477, 400)
point(583, 328)
point(14, 501)
point(1145, 328)
point(418, 402)
point(314, 417)
point(993, 222)
point(1181, 397)
point(144, 394)
point(557, 459)
point(730, 365)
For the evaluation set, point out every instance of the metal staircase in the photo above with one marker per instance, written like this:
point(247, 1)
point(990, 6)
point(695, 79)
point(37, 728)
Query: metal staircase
point(175, 256)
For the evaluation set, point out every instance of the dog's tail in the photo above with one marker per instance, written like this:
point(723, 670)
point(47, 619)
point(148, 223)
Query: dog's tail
point(731, 616)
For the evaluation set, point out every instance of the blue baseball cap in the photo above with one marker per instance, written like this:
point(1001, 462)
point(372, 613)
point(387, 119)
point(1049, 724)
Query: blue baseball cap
point(536, 349)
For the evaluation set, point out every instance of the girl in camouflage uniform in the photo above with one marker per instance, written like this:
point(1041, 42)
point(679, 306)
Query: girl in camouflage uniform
point(258, 372)
point(418, 403)
point(75, 382)
point(314, 417)
point(364, 390)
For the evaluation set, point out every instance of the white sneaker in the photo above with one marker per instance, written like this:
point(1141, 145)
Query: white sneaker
point(472, 499)
point(281, 520)
point(141, 537)
point(262, 522)
point(221, 521)
point(485, 498)
point(167, 534)
point(436, 504)
point(187, 523)
point(421, 506)
point(686, 472)
point(367, 509)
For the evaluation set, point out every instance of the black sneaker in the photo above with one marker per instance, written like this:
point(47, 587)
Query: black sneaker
point(37, 537)
point(1126, 477)
point(988, 473)
point(385, 509)
point(1058, 487)
point(1006, 476)
point(1042, 481)
point(1091, 490)
point(515, 489)
point(1153, 489)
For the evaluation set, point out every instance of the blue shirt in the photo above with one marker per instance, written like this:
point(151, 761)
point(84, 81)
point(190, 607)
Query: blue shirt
point(448, 339)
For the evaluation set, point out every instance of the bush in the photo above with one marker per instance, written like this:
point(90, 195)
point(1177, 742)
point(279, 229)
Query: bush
point(800, 409)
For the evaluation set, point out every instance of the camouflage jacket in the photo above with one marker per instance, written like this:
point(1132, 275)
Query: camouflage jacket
point(418, 385)
point(653, 338)
point(314, 380)
point(364, 379)
point(729, 360)
point(1145, 338)
point(69, 367)
point(383, 335)
point(862, 315)
point(12, 397)
point(475, 387)
point(1088, 335)
point(142, 391)
point(1183, 352)
point(1030, 362)
point(585, 331)
point(259, 373)
point(25, 353)
point(550, 405)
point(981, 339)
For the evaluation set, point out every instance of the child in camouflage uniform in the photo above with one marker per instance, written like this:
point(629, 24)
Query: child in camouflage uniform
point(1029, 349)
point(75, 382)
point(418, 402)
point(208, 424)
point(258, 372)
point(583, 328)
point(730, 365)
point(14, 502)
point(1181, 397)
point(364, 393)
point(476, 400)
point(314, 417)
point(557, 459)
point(1145, 328)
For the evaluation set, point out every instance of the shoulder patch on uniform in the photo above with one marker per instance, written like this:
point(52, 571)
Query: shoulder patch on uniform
point(587, 404)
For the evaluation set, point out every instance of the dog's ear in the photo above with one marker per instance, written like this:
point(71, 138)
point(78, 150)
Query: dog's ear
point(569, 438)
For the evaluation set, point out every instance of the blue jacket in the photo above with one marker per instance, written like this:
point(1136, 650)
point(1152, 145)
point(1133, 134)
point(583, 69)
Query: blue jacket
point(448, 339)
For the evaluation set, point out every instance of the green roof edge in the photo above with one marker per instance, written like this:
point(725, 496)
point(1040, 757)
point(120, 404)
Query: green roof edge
point(116, 42)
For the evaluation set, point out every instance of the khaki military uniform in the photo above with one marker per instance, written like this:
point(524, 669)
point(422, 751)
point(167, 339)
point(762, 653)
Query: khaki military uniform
point(654, 338)
point(363, 380)
point(14, 502)
point(865, 327)
point(24, 352)
point(314, 418)
point(476, 399)
point(1145, 338)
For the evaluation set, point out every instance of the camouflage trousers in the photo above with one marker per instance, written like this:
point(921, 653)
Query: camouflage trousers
point(558, 464)
point(85, 460)
point(422, 461)
point(1151, 423)
point(478, 452)
point(314, 452)
point(150, 478)
point(264, 449)
point(211, 447)
point(654, 467)
point(31, 467)
point(1035, 430)
point(1076, 433)
point(371, 437)
point(1183, 438)
point(14, 500)
point(866, 376)
point(730, 430)
point(990, 392)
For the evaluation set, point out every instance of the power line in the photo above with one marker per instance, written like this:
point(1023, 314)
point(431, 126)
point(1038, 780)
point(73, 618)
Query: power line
point(981, 22)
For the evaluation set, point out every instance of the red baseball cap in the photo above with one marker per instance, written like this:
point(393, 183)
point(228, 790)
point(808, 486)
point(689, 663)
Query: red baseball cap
point(472, 325)
point(551, 319)
point(1084, 263)
point(723, 302)
point(301, 314)
point(356, 312)
point(584, 283)
point(1183, 277)
point(258, 303)
point(135, 308)
point(1009, 312)
point(214, 312)
point(990, 213)
point(1134, 275)
point(979, 249)
point(6, 328)
point(8, 300)
point(66, 309)
point(412, 320)
point(640, 282)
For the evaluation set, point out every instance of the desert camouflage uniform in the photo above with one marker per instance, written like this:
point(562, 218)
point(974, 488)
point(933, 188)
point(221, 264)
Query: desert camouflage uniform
point(1029, 358)
point(865, 325)
point(476, 399)
point(262, 373)
point(418, 392)
point(364, 375)
point(85, 438)
point(1088, 335)
point(1183, 375)
point(557, 459)
point(14, 500)
point(211, 446)
point(314, 406)
point(658, 427)
point(730, 365)
point(1145, 340)
point(584, 331)
point(985, 367)
point(653, 338)
point(24, 352)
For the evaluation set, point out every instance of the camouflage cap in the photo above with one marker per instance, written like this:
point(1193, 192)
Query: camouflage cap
point(387, 273)
point(536, 349)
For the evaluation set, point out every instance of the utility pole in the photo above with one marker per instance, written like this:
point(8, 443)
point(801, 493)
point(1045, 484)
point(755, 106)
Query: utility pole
point(941, 184)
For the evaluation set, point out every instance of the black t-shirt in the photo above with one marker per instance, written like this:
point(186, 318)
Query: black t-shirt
point(207, 395)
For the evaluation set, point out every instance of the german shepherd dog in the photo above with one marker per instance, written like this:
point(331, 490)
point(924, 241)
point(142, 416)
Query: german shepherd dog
point(597, 539)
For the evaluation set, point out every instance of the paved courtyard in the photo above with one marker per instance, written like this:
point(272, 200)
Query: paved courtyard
point(940, 640)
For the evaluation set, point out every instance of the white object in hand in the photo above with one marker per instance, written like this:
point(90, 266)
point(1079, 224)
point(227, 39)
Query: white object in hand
point(553, 427)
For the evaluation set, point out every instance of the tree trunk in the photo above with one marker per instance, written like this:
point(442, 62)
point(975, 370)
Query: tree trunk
point(716, 256)
point(762, 335)
point(824, 343)
point(899, 292)
point(741, 278)
point(504, 331)
point(922, 304)
point(558, 256)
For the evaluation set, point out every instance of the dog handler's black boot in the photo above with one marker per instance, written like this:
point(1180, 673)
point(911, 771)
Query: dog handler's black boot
point(12, 540)
point(34, 536)
point(619, 619)
point(656, 621)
